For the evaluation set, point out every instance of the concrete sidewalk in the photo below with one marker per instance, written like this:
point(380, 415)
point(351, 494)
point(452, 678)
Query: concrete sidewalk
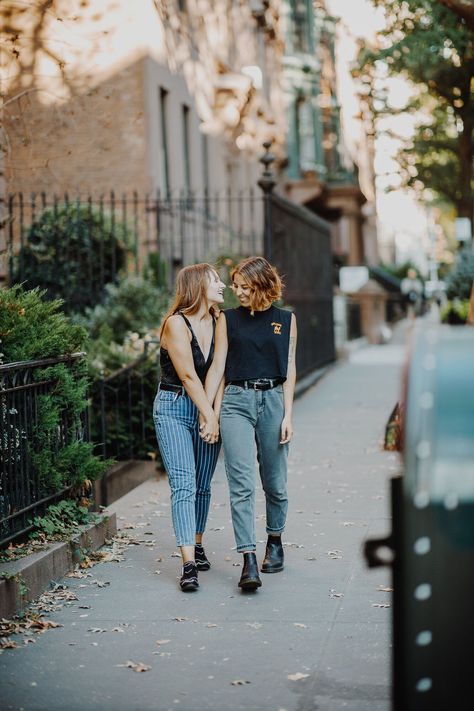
point(314, 637)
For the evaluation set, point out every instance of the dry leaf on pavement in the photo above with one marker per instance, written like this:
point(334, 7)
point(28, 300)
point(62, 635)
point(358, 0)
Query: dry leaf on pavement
point(240, 682)
point(136, 667)
point(297, 676)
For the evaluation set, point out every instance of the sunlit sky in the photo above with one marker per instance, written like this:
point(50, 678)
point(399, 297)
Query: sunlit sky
point(400, 218)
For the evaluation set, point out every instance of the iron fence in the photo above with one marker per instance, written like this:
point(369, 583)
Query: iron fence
point(121, 412)
point(24, 494)
point(302, 251)
point(74, 246)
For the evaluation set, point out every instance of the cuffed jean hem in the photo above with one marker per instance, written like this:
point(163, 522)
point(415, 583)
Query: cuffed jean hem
point(251, 547)
point(274, 531)
point(180, 545)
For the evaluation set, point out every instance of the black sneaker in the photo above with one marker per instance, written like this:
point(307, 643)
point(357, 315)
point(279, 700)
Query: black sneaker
point(189, 578)
point(202, 563)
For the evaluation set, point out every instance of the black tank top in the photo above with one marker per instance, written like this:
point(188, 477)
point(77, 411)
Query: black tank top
point(258, 344)
point(201, 365)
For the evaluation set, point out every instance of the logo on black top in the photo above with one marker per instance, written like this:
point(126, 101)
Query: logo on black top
point(276, 328)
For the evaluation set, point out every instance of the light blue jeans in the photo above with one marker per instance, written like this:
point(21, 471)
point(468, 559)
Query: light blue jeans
point(189, 461)
point(251, 419)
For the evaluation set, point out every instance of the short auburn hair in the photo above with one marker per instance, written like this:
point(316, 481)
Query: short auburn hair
point(263, 279)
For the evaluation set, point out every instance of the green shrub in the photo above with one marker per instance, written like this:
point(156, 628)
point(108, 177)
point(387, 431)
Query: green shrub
point(119, 327)
point(60, 519)
point(455, 312)
point(31, 329)
point(132, 305)
point(72, 250)
point(461, 278)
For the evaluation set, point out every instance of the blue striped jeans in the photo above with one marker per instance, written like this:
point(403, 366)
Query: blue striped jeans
point(189, 461)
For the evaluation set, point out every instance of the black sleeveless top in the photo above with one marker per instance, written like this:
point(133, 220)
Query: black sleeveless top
point(201, 365)
point(258, 344)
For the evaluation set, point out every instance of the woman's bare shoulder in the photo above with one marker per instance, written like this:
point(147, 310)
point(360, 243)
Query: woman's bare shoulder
point(175, 327)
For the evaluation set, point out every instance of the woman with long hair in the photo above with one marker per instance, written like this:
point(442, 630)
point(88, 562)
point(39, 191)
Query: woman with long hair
point(255, 352)
point(186, 426)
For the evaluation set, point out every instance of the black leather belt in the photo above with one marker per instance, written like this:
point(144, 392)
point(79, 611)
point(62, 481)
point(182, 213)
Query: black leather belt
point(259, 384)
point(172, 388)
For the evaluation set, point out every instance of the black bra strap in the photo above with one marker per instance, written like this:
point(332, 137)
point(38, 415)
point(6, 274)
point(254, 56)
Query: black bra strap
point(186, 321)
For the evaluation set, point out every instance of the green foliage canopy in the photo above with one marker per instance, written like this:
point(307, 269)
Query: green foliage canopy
point(431, 46)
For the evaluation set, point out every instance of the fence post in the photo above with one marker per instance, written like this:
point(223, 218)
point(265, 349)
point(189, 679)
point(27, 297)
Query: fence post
point(103, 423)
point(267, 183)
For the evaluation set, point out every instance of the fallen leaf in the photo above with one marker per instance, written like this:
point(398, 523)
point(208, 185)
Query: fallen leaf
point(240, 682)
point(211, 624)
point(381, 588)
point(96, 630)
point(255, 625)
point(180, 619)
point(380, 604)
point(299, 624)
point(297, 676)
point(8, 644)
point(136, 667)
point(335, 555)
point(333, 593)
point(162, 641)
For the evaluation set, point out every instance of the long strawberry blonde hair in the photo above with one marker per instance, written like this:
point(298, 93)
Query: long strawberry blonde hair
point(263, 279)
point(191, 289)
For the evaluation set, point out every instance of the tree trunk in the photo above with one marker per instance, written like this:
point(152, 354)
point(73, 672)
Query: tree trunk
point(465, 205)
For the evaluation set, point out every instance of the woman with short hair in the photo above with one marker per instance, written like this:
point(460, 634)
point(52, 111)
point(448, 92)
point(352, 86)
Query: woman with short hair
point(255, 353)
point(189, 448)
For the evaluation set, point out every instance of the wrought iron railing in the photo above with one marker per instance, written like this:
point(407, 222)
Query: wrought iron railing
point(24, 494)
point(74, 246)
point(121, 411)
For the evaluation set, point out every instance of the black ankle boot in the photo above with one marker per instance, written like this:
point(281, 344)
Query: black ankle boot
point(189, 578)
point(202, 562)
point(273, 561)
point(250, 580)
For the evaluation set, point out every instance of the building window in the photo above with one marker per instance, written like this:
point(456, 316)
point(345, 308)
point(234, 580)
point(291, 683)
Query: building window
point(164, 146)
point(186, 147)
point(305, 134)
point(301, 18)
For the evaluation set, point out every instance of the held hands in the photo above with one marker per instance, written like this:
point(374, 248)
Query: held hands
point(209, 428)
point(286, 430)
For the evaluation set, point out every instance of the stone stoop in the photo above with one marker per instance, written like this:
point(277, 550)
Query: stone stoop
point(34, 573)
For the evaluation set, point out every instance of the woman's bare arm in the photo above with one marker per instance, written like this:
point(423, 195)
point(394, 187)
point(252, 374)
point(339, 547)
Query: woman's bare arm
point(176, 338)
point(289, 386)
point(216, 371)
